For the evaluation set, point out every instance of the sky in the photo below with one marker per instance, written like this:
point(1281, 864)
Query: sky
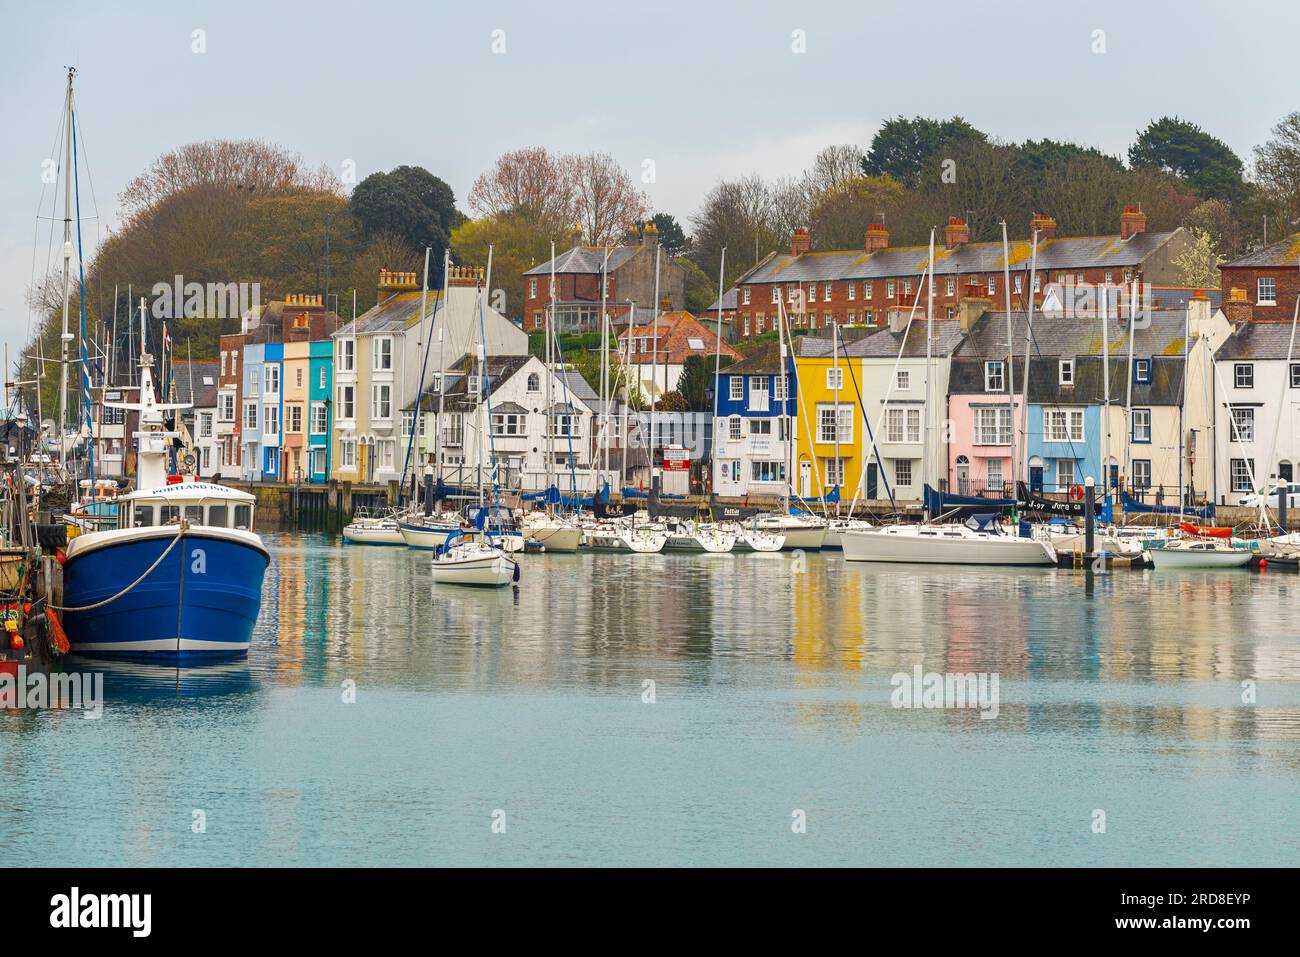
point(704, 90)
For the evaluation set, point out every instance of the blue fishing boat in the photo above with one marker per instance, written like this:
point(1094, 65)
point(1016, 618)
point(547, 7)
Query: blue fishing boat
point(180, 578)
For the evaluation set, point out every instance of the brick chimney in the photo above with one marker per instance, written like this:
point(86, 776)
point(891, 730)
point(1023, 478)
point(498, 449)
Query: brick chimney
point(971, 309)
point(391, 283)
point(470, 276)
point(877, 237)
point(1045, 225)
point(800, 242)
point(956, 232)
point(1238, 307)
point(1132, 221)
point(650, 236)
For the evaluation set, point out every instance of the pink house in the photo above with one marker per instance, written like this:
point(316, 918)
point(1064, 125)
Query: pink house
point(980, 430)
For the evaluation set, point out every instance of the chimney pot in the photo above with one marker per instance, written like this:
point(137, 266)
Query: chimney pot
point(877, 237)
point(1044, 225)
point(1131, 222)
point(956, 232)
point(800, 242)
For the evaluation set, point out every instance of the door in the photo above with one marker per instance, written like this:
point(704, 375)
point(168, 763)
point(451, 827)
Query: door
point(872, 481)
point(963, 475)
point(1036, 478)
point(805, 478)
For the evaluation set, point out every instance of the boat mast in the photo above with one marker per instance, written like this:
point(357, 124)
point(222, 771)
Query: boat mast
point(654, 367)
point(1128, 389)
point(603, 451)
point(66, 337)
point(1277, 421)
point(717, 369)
point(550, 331)
point(1011, 354)
point(929, 352)
point(1029, 338)
point(442, 351)
point(1105, 387)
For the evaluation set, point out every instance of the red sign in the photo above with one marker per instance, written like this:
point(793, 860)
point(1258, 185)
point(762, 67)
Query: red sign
point(677, 459)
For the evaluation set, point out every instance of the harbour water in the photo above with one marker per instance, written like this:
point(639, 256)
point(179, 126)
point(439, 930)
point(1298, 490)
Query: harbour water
point(666, 710)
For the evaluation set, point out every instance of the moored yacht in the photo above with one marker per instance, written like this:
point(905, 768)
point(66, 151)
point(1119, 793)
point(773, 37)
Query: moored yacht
point(953, 544)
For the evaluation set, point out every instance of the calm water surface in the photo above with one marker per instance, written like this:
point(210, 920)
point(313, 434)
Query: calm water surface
point(771, 687)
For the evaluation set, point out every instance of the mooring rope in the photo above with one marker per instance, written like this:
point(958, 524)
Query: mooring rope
point(180, 531)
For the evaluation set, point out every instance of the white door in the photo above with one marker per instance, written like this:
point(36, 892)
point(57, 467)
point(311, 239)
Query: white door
point(805, 478)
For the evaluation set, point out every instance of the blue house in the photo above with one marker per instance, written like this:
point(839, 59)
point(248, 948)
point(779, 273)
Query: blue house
point(756, 404)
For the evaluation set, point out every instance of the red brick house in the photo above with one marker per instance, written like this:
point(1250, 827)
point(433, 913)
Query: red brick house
point(631, 284)
point(656, 352)
point(1262, 286)
point(862, 286)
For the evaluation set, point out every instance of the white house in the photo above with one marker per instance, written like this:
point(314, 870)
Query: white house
point(1256, 410)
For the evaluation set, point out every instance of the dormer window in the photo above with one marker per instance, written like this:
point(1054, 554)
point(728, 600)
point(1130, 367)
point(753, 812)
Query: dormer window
point(1142, 371)
point(1066, 367)
point(994, 379)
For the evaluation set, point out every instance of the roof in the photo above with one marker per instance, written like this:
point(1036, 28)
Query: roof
point(392, 314)
point(1053, 337)
point(681, 336)
point(764, 359)
point(508, 408)
point(1259, 340)
point(202, 374)
point(1071, 252)
point(1165, 387)
point(885, 343)
point(730, 299)
point(586, 259)
point(1285, 252)
point(1177, 297)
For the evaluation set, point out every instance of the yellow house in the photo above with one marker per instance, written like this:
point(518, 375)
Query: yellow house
point(828, 426)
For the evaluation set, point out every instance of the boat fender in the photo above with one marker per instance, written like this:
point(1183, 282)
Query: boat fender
point(515, 577)
point(60, 556)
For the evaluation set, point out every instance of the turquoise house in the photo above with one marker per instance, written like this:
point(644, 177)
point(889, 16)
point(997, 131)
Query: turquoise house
point(320, 410)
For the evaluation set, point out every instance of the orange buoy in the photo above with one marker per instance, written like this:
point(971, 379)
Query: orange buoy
point(16, 641)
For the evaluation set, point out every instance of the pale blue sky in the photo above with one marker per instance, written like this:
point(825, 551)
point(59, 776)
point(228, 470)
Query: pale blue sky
point(705, 89)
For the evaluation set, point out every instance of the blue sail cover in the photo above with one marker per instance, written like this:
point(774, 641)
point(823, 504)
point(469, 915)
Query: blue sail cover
point(937, 502)
point(1133, 505)
point(552, 496)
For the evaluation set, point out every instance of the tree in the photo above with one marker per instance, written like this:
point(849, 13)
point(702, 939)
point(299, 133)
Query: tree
point(1199, 262)
point(672, 238)
point(840, 216)
point(903, 148)
point(736, 215)
point(834, 167)
point(518, 243)
point(694, 384)
point(1183, 149)
point(531, 184)
point(605, 203)
point(672, 401)
point(252, 166)
point(1277, 172)
point(410, 203)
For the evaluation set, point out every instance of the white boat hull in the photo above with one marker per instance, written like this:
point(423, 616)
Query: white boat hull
point(750, 541)
point(427, 536)
point(1192, 558)
point(703, 542)
point(556, 538)
point(491, 571)
point(880, 545)
point(807, 538)
point(373, 534)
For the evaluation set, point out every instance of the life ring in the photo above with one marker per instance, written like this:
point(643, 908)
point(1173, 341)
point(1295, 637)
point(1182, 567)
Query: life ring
point(1076, 493)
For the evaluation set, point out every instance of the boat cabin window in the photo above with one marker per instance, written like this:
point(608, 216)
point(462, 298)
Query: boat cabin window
point(243, 517)
point(217, 516)
point(142, 515)
point(169, 513)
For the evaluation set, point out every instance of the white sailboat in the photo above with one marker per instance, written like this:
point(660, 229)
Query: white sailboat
point(1197, 553)
point(468, 559)
point(625, 537)
point(366, 529)
point(699, 538)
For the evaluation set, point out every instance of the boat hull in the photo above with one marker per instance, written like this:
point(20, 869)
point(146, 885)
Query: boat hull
point(487, 572)
point(200, 603)
point(373, 535)
point(881, 546)
point(561, 539)
point(1187, 558)
point(427, 537)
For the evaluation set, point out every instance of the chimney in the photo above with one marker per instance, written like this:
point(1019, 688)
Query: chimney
point(577, 235)
point(1198, 312)
point(877, 237)
point(650, 236)
point(470, 276)
point(956, 232)
point(970, 310)
point(1238, 307)
point(897, 319)
point(1132, 221)
point(800, 242)
point(392, 282)
point(1045, 225)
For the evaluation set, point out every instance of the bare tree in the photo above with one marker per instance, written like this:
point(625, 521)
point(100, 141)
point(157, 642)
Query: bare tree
point(1277, 169)
point(834, 167)
point(605, 202)
point(530, 183)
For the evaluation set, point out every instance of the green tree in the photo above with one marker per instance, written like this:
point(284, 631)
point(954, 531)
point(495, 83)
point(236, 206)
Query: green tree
point(694, 385)
point(903, 148)
point(411, 203)
point(672, 238)
point(1183, 149)
point(1199, 262)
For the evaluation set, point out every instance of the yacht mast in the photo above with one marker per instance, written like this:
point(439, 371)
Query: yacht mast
point(929, 353)
point(1011, 354)
point(717, 369)
point(66, 337)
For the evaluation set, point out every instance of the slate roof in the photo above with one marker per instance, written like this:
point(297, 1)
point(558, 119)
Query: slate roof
point(886, 344)
point(1165, 387)
point(203, 376)
point(1259, 340)
point(1073, 337)
point(586, 259)
point(1071, 252)
point(1285, 252)
point(393, 314)
point(729, 301)
point(764, 359)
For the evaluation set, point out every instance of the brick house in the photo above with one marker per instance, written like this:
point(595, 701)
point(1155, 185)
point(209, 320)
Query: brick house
point(631, 279)
point(1262, 286)
point(656, 352)
point(863, 286)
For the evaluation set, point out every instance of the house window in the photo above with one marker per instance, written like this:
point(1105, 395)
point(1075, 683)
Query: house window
point(736, 387)
point(903, 472)
point(745, 325)
point(250, 415)
point(744, 296)
point(294, 419)
point(1038, 283)
point(1243, 425)
point(384, 453)
point(1063, 425)
point(949, 286)
point(1141, 425)
point(227, 407)
point(563, 425)
point(381, 354)
point(321, 383)
point(826, 292)
point(760, 426)
point(1267, 294)
point(776, 294)
point(532, 289)
point(1295, 375)
point(834, 379)
point(1064, 474)
point(205, 425)
point(223, 363)
point(1243, 375)
point(1142, 371)
point(472, 385)
point(272, 420)
point(534, 382)
point(348, 454)
point(507, 424)
point(347, 354)
point(758, 390)
point(833, 472)
point(792, 293)
point(993, 474)
point(993, 287)
point(907, 287)
point(319, 418)
point(1066, 367)
point(903, 425)
point(733, 428)
point(347, 401)
point(835, 424)
point(889, 289)
point(767, 471)
point(297, 377)
point(1017, 285)
point(812, 292)
point(381, 401)
point(271, 374)
point(994, 381)
point(992, 426)
point(1141, 473)
point(780, 388)
point(866, 290)
point(1240, 472)
point(903, 380)
point(853, 291)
